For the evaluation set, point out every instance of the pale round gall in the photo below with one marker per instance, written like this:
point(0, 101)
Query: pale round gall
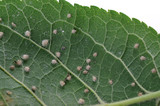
point(45, 42)
point(55, 31)
point(140, 94)
point(133, 84)
point(86, 90)
point(8, 92)
point(54, 61)
point(88, 61)
point(88, 67)
point(73, 31)
point(13, 24)
point(19, 62)
point(26, 69)
point(81, 101)
point(95, 54)
point(85, 72)
point(110, 82)
point(12, 67)
point(34, 88)
point(69, 15)
point(79, 68)
point(153, 70)
point(94, 79)
point(27, 33)
point(58, 54)
point(1, 34)
point(62, 83)
point(142, 58)
point(25, 57)
point(136, 46)
point(69, 77)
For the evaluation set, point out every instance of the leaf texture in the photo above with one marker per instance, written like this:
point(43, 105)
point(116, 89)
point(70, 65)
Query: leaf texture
point(110, 34)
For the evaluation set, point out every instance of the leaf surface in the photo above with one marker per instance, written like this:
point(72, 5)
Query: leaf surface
point(110, 34)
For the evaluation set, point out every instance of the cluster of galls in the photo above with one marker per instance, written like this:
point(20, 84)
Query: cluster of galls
point(88, 67)
point(19, 63)
point(63, 82)
point(25, 57)
point(45, 43)
point(68, 78)
point(143, 58)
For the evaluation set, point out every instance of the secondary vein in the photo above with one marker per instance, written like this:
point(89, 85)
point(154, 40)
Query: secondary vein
point(36, 97)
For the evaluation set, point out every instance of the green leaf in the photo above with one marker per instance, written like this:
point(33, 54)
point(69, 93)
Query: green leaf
point(111, 35)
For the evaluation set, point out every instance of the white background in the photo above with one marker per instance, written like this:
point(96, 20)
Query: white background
point(147, 11)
